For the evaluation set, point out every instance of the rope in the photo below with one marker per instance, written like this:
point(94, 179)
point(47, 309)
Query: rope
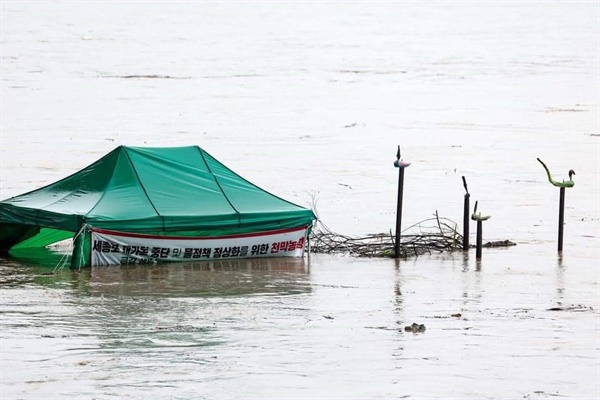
point(66, 258)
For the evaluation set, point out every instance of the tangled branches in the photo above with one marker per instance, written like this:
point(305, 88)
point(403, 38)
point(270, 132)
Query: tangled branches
point(431, 235)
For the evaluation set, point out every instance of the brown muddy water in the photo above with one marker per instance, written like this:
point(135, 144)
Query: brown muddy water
point(309, 101)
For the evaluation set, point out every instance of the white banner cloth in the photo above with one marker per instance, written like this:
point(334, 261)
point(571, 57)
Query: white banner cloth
point(113, 248)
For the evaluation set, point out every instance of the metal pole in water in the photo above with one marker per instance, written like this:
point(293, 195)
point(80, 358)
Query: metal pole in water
point(479, 239)
point(479, 218)
point(466, 210)
point(561, 219)
point(400, 165)
point(399, 212)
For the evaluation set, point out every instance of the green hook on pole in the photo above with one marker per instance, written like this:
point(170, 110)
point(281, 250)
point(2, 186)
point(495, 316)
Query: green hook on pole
point(563, 184)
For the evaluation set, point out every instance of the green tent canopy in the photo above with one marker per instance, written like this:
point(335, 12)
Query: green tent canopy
point(167, 191)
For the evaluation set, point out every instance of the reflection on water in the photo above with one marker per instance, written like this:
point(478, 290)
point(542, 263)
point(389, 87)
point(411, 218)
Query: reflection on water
point(135, 323)
point(205, 278)
point(210, 278)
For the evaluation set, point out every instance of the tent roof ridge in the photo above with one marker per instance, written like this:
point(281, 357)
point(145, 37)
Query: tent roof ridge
point(118, 150)
point(137, 177)
point(201, 151)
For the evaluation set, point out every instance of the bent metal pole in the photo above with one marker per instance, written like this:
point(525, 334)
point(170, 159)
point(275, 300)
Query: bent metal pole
point(561, 205)
point(401, 165)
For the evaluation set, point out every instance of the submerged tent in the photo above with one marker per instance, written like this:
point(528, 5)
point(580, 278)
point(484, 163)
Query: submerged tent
point(176, 191)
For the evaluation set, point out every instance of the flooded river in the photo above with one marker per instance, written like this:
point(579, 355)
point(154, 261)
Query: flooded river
point(310, 101)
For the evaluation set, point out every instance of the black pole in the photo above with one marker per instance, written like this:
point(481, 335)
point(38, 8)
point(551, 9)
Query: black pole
point(561, 219)
point(466, 210)
point(479, 239)
point(399, 211)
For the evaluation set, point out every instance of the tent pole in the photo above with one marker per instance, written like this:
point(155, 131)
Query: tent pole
point(78, 259)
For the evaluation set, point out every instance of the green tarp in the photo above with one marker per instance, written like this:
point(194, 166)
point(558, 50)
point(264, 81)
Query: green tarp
point(164, 191)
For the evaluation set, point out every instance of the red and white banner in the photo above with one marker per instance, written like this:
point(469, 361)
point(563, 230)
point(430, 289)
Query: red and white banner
point(112, 247)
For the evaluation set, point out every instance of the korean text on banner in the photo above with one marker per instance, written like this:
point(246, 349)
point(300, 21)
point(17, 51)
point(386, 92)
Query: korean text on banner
point(112, 247)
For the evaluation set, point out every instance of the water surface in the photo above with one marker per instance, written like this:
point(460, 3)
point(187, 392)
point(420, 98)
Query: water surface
point(310, 101)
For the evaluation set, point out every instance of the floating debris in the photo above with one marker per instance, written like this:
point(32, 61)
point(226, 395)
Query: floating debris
point(415, 328)
point(576, 308)
point(147, 77)
point(182, 328)
point(433, 235)
point(500, 243)
point(564, 109)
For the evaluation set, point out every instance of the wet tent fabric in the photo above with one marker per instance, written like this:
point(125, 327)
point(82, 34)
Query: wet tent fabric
point(164, 191)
